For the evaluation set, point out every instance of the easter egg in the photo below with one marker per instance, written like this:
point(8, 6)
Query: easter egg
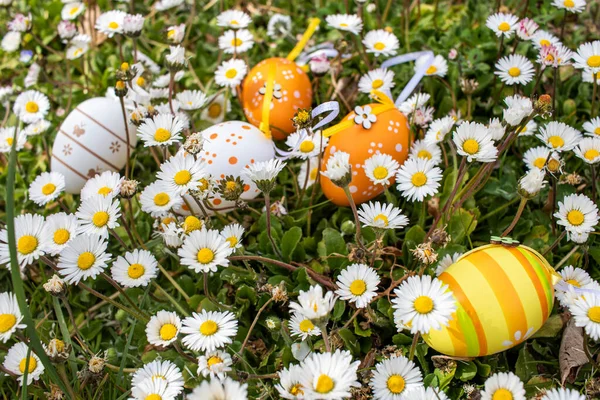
point(292, 90)
point(228, 148)
point(92, 139)
point(503, 296)
point(390, 134)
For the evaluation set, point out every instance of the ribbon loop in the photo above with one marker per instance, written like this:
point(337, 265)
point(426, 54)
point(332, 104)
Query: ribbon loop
point(267, 101)
point(419, 73)
point(312, 27)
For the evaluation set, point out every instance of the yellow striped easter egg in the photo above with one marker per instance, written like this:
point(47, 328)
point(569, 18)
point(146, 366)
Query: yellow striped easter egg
point(503, 294)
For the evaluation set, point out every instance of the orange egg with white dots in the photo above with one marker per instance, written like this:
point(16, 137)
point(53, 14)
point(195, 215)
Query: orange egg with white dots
point(228, 148)
point(389, 134)
point(291, 90)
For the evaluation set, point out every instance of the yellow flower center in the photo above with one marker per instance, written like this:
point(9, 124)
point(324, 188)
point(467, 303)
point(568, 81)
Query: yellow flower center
point(396, 384)
point(553, 165)
point(594, 314)
point(23, 365)
point(232, 240)
point(236, 42)
point(104, 191)
point(7, 321)
point(575, 217)
point(203, 184)
point(424, 154)
point(545, 42)
point(9, 141)
point(86, 260)
point(423, 304)
point(591, 154)
point(170, 33)
point(230, 185)
point(191, 224)
point(573, 282)
point(502, 394)
point(205, 255)
point(161, 199)
point(113, 25)
point(379, 46)
point(214, 110)
point(153, 396)
point(214, 360)
point(597, 131)
point(209, 328)
point(162, 135)
point(431, 70)
point(324, 384)
point(344, 25)
point(61, 236)
point(307, 146)
point(100, 219)
point(419, 179)
point(296, 390)
point(27, 244)
point(539, 162)
point(31, 107)
point(313, 173)
point(140, 81)
point(73, 10)
point(358, 287)
point(377, 83)
point(514, 72)
point(556, 141)
point(48, 188)
point(136, 270)
point(380, 172)
point(504, 27)
point(471, 146)
point(594, 61)
point(306, 325)
point(230, 74)
point(182, 177)
point(167, 331)
point(382, 218)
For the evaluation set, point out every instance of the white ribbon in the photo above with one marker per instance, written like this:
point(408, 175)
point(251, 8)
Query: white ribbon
point(419, 73)
point(565, 287)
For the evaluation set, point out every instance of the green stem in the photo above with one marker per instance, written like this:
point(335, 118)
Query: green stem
point(413, 346)
point(269, 234)
point(516, 218)
point(171, 299)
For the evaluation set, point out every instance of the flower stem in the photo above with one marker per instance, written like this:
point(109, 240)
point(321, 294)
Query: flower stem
point(268, 217)
point(260, 311)
point(413, 346)
point(356, 220)
point(516, 218)
point(556, 242)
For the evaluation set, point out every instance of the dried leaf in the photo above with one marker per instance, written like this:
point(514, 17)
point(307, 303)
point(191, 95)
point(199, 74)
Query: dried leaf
point(571, 354)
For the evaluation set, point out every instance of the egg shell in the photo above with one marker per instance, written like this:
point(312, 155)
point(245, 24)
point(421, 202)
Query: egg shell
point(296, 92)
point(504, 295)
point(92, 139)
point(390, 134)
point(230, 147)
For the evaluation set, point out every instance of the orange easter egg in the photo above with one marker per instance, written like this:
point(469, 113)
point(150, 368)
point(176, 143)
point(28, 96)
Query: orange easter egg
point(292, 90)
point(390, 134)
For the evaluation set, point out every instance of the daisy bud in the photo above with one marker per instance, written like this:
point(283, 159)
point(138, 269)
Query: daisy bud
point(176, 58)
point(124, 67)
point(348, 227)
point(531, 184)
point(194, 143)
point(452, 54)
point(55, 286)
point(120, 88)
point(319, 65)
point(231, 188)
point(129, 188)
point(273, 323)
point(55, 392)
point(264, 173)
point(191, 224)
point(66, 30)
point(303, 118)
point(338, 169)
point(133, 24)
point(543, 105)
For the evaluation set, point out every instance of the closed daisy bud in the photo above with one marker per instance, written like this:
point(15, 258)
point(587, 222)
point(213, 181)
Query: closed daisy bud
point(55, 286)
point(128, 188)
point(531, 183)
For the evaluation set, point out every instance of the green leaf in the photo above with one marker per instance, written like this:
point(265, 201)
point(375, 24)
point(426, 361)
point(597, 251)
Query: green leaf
point(360, 331)
point(551, 328)
point(525, 367)
point(466, 370)
point(350, 341)
point(289, 241)
point(462, 223)
point(335, 244)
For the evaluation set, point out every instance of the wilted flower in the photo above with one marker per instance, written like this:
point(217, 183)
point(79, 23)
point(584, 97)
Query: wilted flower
point(425, 253)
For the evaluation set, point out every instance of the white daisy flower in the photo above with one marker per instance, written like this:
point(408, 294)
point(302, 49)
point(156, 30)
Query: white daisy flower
point(231, 73)
point(529, 129)
point(533, 181)
point(136, 269)
point(216, 109)
point(473, 141)
point(238, 41)
point(233, 19)
point(579, 238)
point(176, 33)
point(71, 11)
point(515, 69)
point(158, 199)
point(364, 116)
point(517, 109)
point(574, 6)
point(496, 129)
point(381, 216)
point(232, 234)
point(426, 150)
point(164, 80)
point(423, 304)
point(161, 130)
point(345, 22)
point(381, 79)
point(575, 276)
point(423, 393)
point(337, 167)
point(302, 327)
point(289, 386)
point(216, 363)
point(182, 173)
point(153, 389)
point(588, 150)
point(16, 362)
point(309, 172)
point(97, 215)
point(61, 228)
point(263, 171)
point(163, 328)
point(414, 102)
point(106, 184)
point(204, 250)
point(589, 77)
point(31, 106)
point(209, 330)
point(36, 128)
point(503, 385)
point(163, 370)
point(279, 26)
point(526, 29)
point(577, 213)
point(438, 129)
point(445, 262)
point(84, 257)
point(46, 187)
point(303, 145)
point(11, 41)
point(357, 284)
point(381, 43)
point(502, 24)
point(586, 311)
point(10, 316)
point(162, 5)
point(172, 235)
point(588, 56)
point(543, 38)
point(562, 394)
point(30, 237)
point(217, 389)
point(329, 376)
point(111, 22)
point(381, 168)
point(394, 377)
point(312, 304)
point(592, 127)
point(191, 100)
point(439, 66)
point(133, 24)
point(418, 178)
point(559, 136)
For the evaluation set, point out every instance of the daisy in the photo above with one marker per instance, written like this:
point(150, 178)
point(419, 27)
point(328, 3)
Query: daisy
point(438, 129)
point(161, 130)
point(337, 168)
point(574, 6)
point(381, 216)
point(542, 38)
point(46, 187)
point(191, 99)
point(329, 376)
point(379, 79)
point(302, 327)
point(61, 228)
point(529, 129)
point(562, 394)
point(216, 363)
point(588, 150)
point(517, 109)
point(162, 5)
point(502, 24)
point(230, 73)
point(191, 224)
point(204, 250)
point(107, 185)
point(422, 393)
point(312, 304)
point(586, 311)
point(588, 56)
point(10, 316)
point(395, 376)
point(209, 330)
point(446, 261)
point(306, 146)
point(279, 26)
point(423, 303)
point(30, 238)
point(36, 128)
point(426, 150)
point(263, 172)
point(577, 213)
point(515, 69)
point(358, 284)
point(592, 127)
point(157, 199)
point(171, 234)
point(16, 362)
point(233, 19)
point(532, 183)
point(526, 29)
point(473, 141)
point(345, 22)
point(418, 178)
point(309, 172)
point(176, 33)
point(381, 42)
point(438, 67)
point(575, 276)
point(153, 389)
point(216, 109)
point(232, 42)
point(97, 215)
point(381, 168)
point(289, 386)
point(559, 136)
point(133, 25)
point(160, 370)
point(31, 106)
point(414, 102)
point(163, 328)
point(217, 389)
point(503, 385)
point(232, 234)
point(11, 41)
point(111, 22)
point(71, 11)
point(589, 77)
point(181, 173)
point(136, 269)
point(84, 257)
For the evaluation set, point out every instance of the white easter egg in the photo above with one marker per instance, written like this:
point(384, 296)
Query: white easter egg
point(92, 139)
point(231, 146)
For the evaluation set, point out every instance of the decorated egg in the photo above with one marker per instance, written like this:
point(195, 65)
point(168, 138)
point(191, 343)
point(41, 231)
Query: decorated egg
point(92, 139)
point(389, 134)
point(291, 90)
point(503, 295)
point(228, 148)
